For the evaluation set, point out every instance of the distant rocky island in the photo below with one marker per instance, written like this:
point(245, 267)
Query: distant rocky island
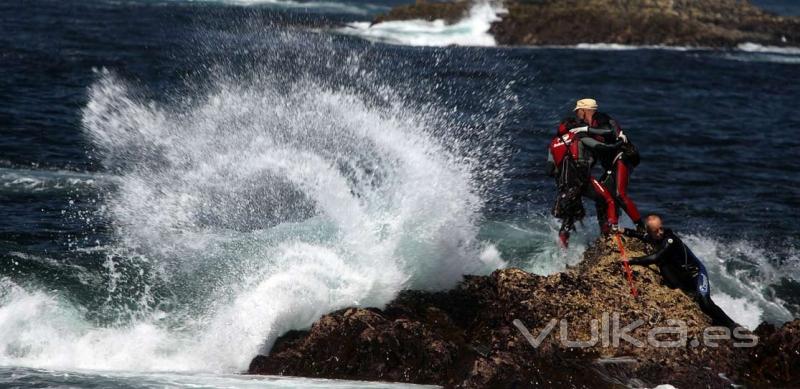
point(472, 337)
point(700, 23)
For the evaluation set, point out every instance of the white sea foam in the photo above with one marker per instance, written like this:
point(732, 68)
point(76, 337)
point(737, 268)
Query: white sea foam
point(621, 47)
point(315, 6)
point(744, 47)
point(746, 52)
point(26, 377)
point(260, 209)
point(472, 30)
point(756, 48)
point(741, 275)
point(37, 180)
point(742, 310)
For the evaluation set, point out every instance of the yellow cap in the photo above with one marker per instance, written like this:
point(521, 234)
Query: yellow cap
point(586, 104)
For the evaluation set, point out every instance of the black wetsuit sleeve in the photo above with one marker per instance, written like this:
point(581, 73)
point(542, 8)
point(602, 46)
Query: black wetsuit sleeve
point(597, 145)
point(655, 257)
point(635, 234)
point(648, 259)
point(601, 131)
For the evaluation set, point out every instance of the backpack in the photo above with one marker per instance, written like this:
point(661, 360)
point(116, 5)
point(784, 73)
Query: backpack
point(630, 153)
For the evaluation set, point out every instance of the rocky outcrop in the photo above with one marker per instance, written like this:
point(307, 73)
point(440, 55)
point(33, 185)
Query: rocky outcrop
point(450, 12)
point(467, 337)
point(776, 360)
point(706, 23)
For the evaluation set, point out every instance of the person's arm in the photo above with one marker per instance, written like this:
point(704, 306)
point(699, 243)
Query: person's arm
point(600, 131)
point(635, 234)
point(648, 259)
point(654, 257)
point(595, 144)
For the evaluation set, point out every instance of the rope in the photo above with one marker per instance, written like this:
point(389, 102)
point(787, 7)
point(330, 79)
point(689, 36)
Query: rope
point(626, 266)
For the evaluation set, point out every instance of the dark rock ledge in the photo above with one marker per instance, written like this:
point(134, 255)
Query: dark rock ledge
point(698, 23)
point(466, 338)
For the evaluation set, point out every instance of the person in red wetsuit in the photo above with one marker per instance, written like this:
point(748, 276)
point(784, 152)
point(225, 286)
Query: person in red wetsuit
point(569, 160)
point(617, 164)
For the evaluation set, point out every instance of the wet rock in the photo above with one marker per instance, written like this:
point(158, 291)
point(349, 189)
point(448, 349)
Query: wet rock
point(705, 23)
point(775, 362)
point(467, 337)
point(450, 12)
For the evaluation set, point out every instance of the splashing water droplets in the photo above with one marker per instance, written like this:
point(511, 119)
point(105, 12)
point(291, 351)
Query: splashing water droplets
point(251, 210)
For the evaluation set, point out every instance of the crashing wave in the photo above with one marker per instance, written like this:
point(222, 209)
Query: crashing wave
point(473, 30)
point(247, 212)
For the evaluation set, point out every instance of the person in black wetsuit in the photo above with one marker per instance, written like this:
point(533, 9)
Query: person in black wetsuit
point(679, 267)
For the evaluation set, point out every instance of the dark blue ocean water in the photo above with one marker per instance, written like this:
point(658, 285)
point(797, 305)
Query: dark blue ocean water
point(715, 128)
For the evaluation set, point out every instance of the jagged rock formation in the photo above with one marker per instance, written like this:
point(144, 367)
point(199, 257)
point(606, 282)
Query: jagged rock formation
point(707, 23)
point(450, 12)
point(466, 338)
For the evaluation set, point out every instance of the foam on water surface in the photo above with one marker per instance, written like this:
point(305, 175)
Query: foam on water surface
point(472, 30)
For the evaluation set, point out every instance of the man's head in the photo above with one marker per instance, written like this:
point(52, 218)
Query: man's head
point(585, 109)
point(655, 227)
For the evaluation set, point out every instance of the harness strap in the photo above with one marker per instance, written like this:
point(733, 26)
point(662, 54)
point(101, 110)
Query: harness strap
point(619, 155)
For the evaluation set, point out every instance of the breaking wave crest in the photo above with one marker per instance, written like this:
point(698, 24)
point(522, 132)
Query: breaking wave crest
point(472, 30)
point(246, 212)
point(744, 277)
point(353, 7)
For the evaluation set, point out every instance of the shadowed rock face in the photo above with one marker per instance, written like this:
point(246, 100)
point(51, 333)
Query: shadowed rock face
point(450, 12)
point(465, 337)
point(708, 23)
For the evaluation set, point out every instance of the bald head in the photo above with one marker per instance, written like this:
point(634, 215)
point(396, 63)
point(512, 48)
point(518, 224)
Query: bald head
point(655, 227)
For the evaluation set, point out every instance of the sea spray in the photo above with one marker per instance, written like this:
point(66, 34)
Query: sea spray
point(251, 210)
point(743, 278)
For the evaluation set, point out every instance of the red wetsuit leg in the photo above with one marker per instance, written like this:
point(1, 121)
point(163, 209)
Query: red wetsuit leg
point(611, 210)
point(623, 172)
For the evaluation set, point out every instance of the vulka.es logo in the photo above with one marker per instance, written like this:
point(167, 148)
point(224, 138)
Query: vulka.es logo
point(608, 332)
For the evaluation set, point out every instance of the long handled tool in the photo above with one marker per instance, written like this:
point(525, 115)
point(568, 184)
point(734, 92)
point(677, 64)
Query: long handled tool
point(626, 266)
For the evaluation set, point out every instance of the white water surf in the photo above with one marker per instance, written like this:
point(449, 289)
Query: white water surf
point(258, 210)
point(472, 30)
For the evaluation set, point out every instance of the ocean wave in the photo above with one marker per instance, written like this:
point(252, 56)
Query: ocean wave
point(746, 52)
point(21, 180)
point(473, 30)
point(756, 48)
point(25, 377)
point(254, 210)
point(532, 244)
point(622, 47)
point(762, 57)
point(357, 8)
point(742, 275)
point(744, 47)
